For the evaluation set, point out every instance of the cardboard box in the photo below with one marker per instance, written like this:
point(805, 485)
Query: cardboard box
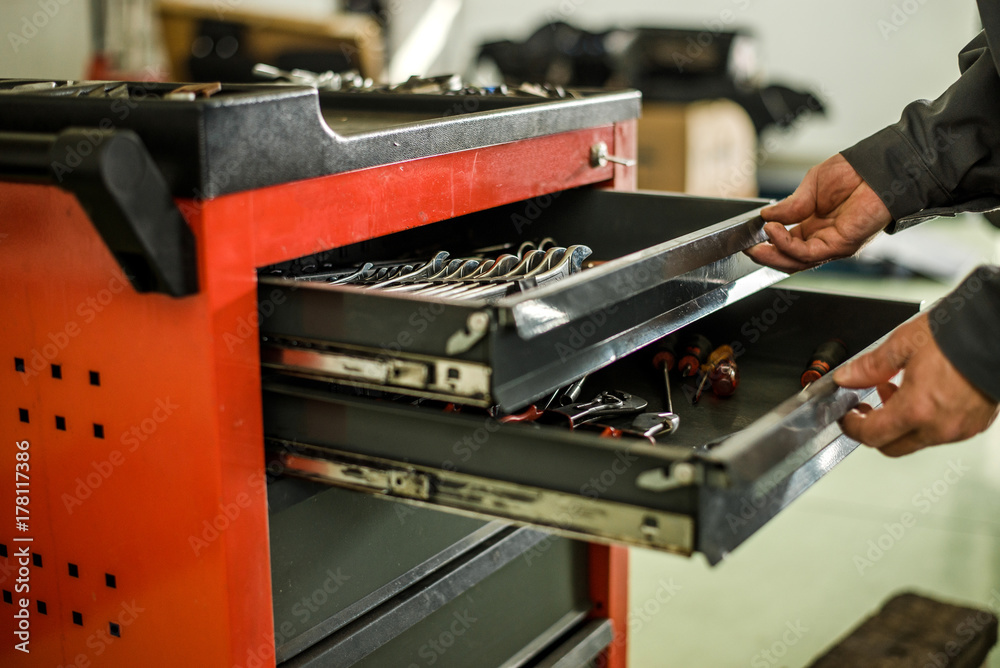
point(702, 148)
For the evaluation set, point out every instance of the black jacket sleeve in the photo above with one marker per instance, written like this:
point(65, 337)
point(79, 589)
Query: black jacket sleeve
point(940, 153)
point(966, 325)
point(946, 153)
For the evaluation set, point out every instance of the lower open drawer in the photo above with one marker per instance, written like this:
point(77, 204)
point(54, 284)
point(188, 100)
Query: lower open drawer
point(732, 465)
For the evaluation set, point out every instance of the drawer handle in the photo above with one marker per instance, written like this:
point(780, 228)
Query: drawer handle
point(599, 157)
point(476, 327)
point(682, 474)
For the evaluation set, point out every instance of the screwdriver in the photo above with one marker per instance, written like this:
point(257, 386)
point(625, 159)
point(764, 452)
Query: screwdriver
point(725, 378)
point(695, 350)
point(666, 359)
point(826, 356)
point(721, 354)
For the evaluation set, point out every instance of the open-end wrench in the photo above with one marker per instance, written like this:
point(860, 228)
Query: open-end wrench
point(448, 269)
point(429, 268)
point(558, 262)
point(382, 273)
point(540, 262)
point(570, 263)
point(531, 260)
point(503, 265)
point(449, 282)
point(365, 270)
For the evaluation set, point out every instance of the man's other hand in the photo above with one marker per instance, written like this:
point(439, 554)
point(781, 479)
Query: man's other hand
point(933, 404)
point(836, 214)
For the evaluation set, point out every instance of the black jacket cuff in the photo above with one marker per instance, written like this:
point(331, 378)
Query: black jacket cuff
point(895, 170)
point(966, 326)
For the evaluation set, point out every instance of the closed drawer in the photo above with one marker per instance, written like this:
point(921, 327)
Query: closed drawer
point(512, 600)
point(337, 555)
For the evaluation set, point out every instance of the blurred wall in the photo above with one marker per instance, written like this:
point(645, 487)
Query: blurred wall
point(47, 44)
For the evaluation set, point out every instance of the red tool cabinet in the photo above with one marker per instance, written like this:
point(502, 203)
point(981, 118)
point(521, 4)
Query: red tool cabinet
point(147, 517)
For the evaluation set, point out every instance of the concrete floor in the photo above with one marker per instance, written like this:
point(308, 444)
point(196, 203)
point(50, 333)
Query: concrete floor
point(838, 552)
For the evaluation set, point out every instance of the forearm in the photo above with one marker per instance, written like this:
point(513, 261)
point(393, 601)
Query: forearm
point(966, 326)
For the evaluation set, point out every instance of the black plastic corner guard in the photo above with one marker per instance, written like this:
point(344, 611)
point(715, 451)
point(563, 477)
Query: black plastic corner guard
point(123, 192)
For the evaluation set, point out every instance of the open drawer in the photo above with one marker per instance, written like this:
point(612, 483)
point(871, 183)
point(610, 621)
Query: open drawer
point(660, 261)
point(732, 465)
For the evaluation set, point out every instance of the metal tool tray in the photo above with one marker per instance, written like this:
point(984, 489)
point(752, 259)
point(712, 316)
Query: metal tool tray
point(667, 260)
point(255, 135)
point(705, 488)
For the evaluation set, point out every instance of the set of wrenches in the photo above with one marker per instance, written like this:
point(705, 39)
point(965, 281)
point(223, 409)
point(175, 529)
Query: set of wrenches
point(479, 278)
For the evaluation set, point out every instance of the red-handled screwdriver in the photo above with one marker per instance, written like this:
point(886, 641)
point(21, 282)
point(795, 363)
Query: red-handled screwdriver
point(666, 359)
point(694, 352)
point(719, 356)
point(827, 355)
point(725, 378)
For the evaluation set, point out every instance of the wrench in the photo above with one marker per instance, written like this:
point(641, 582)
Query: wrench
point(654, 424)
point(610, 403)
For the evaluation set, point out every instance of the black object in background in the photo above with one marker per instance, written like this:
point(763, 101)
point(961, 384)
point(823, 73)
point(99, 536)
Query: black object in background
point(666, 64)
point(219, 52)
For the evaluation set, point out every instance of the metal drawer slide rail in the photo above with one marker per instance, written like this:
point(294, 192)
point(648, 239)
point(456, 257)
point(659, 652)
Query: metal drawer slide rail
point(570, 515)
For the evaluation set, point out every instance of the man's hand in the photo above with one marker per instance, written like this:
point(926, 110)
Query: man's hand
point(934, 404)
point(837, 213)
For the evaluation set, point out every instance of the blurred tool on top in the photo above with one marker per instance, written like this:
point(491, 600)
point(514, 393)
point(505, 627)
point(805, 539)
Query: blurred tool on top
point(126, 41)
point(223, 40)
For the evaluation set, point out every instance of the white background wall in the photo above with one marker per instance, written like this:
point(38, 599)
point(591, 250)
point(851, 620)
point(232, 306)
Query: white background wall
point(865, 76)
